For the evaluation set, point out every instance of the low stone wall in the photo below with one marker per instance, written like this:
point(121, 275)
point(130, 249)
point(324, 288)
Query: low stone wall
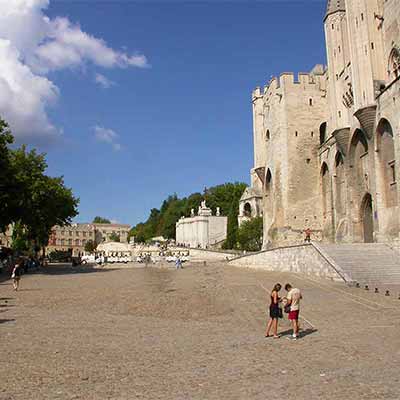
point(303, 259)
point(209, 255)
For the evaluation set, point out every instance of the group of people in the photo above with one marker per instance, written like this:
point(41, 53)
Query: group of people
point(291, 306)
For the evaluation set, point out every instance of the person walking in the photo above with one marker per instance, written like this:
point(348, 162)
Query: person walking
point(293, 298)
point(16, 274)
point(178, 263)
point(275, 312)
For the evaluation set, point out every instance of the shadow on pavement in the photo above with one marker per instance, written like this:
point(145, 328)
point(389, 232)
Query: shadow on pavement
point(65, 269)
point(3, 321)
point(302, 333)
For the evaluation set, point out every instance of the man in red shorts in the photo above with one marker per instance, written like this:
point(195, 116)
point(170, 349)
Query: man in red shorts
point(293, 300)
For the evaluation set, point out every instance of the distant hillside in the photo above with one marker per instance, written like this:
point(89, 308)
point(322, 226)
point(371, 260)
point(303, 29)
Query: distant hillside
point(161, 222)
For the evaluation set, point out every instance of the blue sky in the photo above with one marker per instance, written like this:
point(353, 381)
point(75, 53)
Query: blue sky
point(183, 121)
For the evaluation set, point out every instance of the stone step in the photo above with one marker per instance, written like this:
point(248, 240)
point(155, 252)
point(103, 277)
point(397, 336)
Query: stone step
point(366, 262)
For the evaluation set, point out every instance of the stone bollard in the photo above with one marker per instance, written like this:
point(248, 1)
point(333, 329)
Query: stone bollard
point(376, 290)
point(387, 293)
point(366, 287)
point(357, 285)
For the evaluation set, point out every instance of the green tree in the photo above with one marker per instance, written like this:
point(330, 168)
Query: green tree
point(101, 220)
point(114, 237)
point(29, 198)
point(249, 235)
point(90, 246)
point(231, 236)
point(163, 221)
point(9, 191)
point(42, 201)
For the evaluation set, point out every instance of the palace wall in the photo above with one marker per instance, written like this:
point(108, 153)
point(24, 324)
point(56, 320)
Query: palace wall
point(326, 143)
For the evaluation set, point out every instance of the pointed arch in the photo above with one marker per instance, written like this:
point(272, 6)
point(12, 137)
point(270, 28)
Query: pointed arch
point(386, 162)
point(366, 217)
point(340, 189)
point(325, 191)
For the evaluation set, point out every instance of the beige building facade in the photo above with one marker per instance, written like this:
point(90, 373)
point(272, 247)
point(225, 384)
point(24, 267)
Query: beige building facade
point(74, 237)
point(327, 143)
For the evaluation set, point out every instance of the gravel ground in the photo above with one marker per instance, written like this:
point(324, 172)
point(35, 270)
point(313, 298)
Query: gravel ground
point(198, 333)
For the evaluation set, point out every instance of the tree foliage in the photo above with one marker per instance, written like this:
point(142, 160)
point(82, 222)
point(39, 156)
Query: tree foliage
point(114, 237)
point(249, 235)
point(31, 200)
point(90, 246)
point(8, 189)
point(162, 222)
point(101, 220)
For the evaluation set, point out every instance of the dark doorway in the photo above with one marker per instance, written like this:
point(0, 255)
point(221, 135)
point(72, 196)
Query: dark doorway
point(367, 219)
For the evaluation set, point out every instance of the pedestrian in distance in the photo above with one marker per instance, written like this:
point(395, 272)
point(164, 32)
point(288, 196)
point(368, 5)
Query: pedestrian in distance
point(275, 312)
point(16, 274)
point(178, 263)
point(307, 233)
point(292, 306)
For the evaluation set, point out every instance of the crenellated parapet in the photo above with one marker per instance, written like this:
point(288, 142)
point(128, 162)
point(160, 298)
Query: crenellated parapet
point(316, 80)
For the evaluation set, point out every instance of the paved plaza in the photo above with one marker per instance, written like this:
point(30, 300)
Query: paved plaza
point(198, 333)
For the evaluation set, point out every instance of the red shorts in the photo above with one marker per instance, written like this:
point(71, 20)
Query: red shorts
point(294, 315)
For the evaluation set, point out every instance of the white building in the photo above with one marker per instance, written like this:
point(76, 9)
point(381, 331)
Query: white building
point(203, 230)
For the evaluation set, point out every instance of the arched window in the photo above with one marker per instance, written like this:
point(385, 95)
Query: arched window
point(247, 210)
point(340, 204)
point(267, 135)
point(394, 63)
point(268, 204)
point(387, 162)
point(268, 182)
point(322, 133)
point(326, 192)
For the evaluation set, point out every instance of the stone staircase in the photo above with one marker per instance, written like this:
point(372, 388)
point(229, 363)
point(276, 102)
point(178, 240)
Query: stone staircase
point(365, 263)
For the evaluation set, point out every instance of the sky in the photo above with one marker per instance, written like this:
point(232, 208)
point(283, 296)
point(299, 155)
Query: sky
point(133, 101)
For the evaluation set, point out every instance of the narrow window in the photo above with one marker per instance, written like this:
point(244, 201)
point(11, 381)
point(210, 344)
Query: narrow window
point(312, 134)
point(372, 45)
point(333, 26)
point(295, 134)
point(393, 171)
point(310, 102)
point(308, 160)
point(340, 114)
point(337, 77)
point(362, 17)
point(339, 49)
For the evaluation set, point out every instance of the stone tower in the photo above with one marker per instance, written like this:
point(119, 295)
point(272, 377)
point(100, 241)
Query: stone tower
point(327, 145)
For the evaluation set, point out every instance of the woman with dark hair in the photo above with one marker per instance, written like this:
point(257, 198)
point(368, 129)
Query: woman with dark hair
point(275, 311)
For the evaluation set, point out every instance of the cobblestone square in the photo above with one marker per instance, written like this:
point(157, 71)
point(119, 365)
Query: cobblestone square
point(198, 333)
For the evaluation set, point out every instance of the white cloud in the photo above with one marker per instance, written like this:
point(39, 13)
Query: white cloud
point(103, 81)
point(32, 45)
point(24, 97)
point(107, 136)
point(69, 46)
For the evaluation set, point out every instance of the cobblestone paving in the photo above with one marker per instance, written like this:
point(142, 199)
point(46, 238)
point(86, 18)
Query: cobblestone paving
point(157, 333)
